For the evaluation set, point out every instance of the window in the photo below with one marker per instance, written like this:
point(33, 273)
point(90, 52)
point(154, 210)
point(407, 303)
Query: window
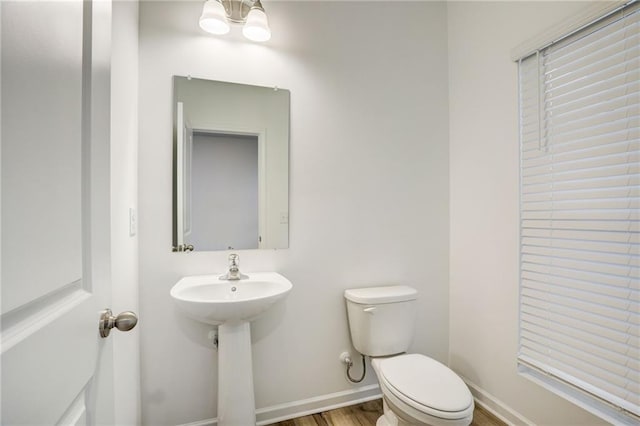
point(579, 216)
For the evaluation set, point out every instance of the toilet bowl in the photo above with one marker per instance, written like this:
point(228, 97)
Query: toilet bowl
point(417, 390)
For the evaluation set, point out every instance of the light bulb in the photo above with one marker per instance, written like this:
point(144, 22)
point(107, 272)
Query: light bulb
point(214, 18)
point(257, 27)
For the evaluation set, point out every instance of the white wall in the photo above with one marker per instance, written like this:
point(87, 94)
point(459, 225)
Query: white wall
point(484, 204)
point(368, 189)
point(124, 195)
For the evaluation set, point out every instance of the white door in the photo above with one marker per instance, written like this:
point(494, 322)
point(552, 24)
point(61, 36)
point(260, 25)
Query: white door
point(55, 367)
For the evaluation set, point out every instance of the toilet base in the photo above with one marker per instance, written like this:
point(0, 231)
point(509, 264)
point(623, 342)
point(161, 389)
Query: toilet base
point(382, 421)
point(389, 418)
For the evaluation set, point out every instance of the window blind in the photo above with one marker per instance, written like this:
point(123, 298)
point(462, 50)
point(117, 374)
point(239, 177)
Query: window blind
point(579, 216)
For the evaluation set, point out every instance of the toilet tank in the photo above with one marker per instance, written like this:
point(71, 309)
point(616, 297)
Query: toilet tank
point(381, 319)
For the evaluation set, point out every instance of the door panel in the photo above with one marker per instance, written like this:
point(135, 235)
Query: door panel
point(47, 368)
point(41, 123)
point(55, 212)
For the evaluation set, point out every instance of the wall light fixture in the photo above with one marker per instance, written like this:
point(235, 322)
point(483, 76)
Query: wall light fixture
point(217, 14)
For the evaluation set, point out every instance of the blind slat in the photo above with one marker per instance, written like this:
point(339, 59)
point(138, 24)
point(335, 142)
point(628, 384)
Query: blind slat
point(606, 311)
point(620, 369)
point(590, 276)
point(626, 259)
point(574, 77)
point(586, 225)
point(621, 292)
point(605, 385)
point(627, 158)
point(581, 235)
point(582, 345)
point(621, 78)
point(532, 144)
point(596, 182)
point(585, 173)
point(540, 327)
point(592, 246)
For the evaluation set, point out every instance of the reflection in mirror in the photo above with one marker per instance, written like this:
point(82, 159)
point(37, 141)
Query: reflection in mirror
point(231, 166)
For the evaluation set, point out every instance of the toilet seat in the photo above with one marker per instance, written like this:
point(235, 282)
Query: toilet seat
point(424, 389)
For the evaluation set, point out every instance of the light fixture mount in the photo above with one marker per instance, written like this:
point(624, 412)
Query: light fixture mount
point(217, 14)
point(237, 10)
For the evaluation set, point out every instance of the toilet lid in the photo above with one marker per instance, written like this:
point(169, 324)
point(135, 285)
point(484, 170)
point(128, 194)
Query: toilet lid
point(426, 382)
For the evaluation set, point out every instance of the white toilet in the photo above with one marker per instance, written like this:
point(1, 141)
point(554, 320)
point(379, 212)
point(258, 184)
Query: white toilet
point(416, 389)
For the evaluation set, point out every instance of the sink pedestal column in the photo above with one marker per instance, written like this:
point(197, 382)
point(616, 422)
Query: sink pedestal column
point(236, 401)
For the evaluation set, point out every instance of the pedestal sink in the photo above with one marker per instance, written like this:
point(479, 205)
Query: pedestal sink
point(231, 305)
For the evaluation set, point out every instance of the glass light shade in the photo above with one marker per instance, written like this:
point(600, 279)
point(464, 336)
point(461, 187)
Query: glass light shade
point(257, 27)
point(214, 18)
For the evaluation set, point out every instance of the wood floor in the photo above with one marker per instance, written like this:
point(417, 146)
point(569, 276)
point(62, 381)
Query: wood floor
point(367, 413)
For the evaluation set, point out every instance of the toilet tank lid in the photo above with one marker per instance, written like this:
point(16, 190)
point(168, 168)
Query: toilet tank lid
point(386, 294)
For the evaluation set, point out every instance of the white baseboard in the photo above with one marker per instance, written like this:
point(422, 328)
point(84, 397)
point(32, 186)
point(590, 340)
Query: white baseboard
point(304, 407)
point(496, 407)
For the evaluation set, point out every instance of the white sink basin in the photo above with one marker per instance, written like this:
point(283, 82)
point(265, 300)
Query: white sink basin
point(208, 299)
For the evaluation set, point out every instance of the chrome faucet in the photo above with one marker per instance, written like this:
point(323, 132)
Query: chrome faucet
point(234, 269)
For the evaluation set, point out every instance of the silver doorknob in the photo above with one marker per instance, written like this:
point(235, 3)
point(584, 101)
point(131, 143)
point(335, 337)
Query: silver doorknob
point(125, 321)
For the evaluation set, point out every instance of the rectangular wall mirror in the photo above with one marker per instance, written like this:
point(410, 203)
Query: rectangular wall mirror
point(230, 166)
